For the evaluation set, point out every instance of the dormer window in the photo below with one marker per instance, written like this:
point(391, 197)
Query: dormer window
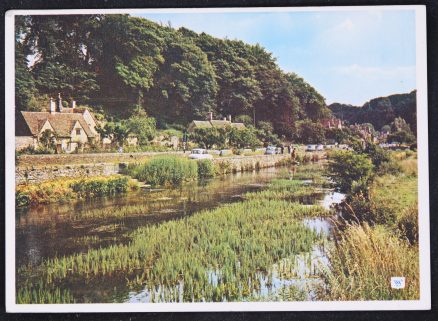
point(78, 131)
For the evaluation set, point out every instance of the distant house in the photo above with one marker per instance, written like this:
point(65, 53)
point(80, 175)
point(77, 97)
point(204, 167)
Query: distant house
point(330, 123)
point(364, 131)
point(71, 127)
point(214, 123)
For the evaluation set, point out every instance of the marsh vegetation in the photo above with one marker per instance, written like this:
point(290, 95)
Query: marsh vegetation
point(268, 239)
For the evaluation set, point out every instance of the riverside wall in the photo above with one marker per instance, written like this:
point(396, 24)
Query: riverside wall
point(39, 168)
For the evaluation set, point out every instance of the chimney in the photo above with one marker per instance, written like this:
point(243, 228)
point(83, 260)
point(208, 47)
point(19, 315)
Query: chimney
point(52, 106)
point(59, 102)
point(73, 103)
point(210, 116)
point(229, 118)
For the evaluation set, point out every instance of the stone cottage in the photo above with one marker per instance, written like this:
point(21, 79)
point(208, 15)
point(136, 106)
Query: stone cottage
point(217, 123)
point(71, 127)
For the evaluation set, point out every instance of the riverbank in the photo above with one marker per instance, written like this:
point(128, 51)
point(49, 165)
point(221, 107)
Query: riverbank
point(34, 169)
point(379, 237)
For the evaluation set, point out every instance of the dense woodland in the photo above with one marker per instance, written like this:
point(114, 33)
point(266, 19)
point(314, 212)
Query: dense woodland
point(114, 63)
point(380, 111)
point(141, 76)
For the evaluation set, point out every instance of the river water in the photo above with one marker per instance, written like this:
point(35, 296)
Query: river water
point(62, 229)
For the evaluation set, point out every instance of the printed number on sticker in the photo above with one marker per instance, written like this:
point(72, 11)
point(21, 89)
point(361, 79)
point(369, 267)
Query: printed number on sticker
point(398, 282)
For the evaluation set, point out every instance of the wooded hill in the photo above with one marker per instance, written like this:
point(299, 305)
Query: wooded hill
point(380, 111)
point(115, 63)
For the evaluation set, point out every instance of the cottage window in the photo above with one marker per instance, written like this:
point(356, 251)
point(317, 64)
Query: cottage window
point(78, 131)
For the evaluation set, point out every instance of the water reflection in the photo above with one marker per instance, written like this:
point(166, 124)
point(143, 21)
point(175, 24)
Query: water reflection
point(62, 229)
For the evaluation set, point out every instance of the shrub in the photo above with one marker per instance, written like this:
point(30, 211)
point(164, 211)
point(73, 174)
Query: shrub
point(408, 223)
point(346, 167)
point(164, 170)
point(206, 168)
point(391, 167)
point(90, 187)
point(68, 188)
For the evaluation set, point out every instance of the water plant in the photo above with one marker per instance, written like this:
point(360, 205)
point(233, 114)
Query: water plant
point(164, 170)
point(70, 188)
point(214, 255)
point(206, 168)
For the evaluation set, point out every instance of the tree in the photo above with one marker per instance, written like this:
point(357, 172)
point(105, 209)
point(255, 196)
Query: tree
point(245, 119)
point(265, 133)
point(310, 132)
point(241, 138)
point(142, 126)
point(347, 168)
point(47, 139)
point(338, 135)
point(208, 137)
point(401, 136)
point(118, 132)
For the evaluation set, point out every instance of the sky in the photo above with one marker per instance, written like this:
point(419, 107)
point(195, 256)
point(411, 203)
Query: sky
point(348, 56)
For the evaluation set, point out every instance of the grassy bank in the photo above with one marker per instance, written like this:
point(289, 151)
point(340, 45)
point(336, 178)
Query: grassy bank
point(363, 262)
point(224, 253)
point(69, 189)
point(379, 239)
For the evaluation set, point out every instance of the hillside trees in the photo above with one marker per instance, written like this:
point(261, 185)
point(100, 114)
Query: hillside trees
point(60, 48)
point(117, 62)
point(381, 111)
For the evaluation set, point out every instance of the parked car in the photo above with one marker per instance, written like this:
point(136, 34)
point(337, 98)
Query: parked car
point(200, 153)
point(271, 150)
point(310, 148)
point(320, 147)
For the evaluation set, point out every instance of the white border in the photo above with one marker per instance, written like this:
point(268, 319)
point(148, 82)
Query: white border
point(423, 183)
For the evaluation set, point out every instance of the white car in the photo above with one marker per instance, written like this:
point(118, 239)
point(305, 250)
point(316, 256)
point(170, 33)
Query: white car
point(200, 153)
point(271, 150)
point(310, 148)
point(320, 147)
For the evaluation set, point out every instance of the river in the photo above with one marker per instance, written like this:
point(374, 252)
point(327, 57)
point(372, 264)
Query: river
point(57, 230)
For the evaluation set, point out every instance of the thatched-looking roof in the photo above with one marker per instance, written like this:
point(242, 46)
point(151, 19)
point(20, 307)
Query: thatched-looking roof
point(214, 123)
point(62, 123)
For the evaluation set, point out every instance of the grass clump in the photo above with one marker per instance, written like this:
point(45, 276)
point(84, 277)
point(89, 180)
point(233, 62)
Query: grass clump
point(363, 262)
point(284, 189)
point(41, 294)
point(164, 170)
point(70, 188)
point(206, 168)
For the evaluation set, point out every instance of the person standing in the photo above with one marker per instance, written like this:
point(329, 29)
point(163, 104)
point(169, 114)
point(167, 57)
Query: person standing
point(293, 155)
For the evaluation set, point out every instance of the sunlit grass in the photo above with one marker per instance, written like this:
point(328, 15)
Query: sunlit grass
point(363, 262)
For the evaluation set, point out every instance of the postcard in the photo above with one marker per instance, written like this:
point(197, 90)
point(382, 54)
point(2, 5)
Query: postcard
point(232, 159)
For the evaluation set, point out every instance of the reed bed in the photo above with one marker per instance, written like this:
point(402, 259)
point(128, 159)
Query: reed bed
point(41, 294)
point(164, 170)
point(68, 188)
point(284, 189)
point(214, 255)
point(363, 262)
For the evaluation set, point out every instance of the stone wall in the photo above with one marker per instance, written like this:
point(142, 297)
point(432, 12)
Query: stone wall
point(92, 158)
point(247, 163)
point(28, 172)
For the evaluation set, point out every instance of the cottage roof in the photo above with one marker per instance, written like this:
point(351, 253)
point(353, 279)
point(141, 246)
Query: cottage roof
point(202, 124)
point(62, 123)
point(220, 123)
point(215, 123)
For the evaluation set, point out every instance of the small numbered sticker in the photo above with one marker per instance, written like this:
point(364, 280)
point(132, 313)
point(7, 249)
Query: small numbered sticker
point(398, 282)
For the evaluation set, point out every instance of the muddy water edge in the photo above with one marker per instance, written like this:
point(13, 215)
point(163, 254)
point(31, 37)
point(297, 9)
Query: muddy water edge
point(58, 230)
